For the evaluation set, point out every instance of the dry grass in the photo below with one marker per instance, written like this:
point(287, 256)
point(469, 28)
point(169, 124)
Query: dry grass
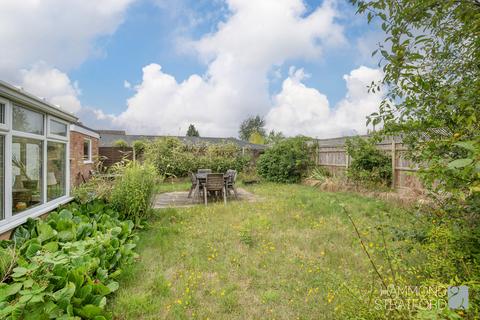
point(404, 197)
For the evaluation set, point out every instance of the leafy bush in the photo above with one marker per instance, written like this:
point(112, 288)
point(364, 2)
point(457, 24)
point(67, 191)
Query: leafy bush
point(120, 143)
point(94, 189)
point(287, 161)
point(171, 157)
point(132, 193)
point(139, 146)
point(67, 264)
point(369, 166)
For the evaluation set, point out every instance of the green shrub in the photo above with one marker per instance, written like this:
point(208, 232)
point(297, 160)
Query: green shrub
point(132, 192)
point(139, 146)
point(369, 166)
point(171, 157)
point(67, 264)
point(287, 161)
point(120, 143)
point(94, 189)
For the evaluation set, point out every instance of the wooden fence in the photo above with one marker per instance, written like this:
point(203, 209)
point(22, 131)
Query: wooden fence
point(112, 155)
point(333, 156)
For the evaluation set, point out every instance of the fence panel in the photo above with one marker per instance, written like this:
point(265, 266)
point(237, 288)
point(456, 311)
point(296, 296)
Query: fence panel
point(112, 155)
point(333, 156)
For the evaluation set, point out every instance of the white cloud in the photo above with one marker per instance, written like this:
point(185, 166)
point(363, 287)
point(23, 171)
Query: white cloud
point(61, 34)
point(127, 85)
point(302, 110)
point(258, 36)
point(53, 85)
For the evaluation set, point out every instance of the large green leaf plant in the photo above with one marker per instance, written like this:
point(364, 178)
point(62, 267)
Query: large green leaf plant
point(67, 264)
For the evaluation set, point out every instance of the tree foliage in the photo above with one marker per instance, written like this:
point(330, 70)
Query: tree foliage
point(274, 137)
point(251, 125)
point(192, 131)
point(256, 138)
point(431, 60)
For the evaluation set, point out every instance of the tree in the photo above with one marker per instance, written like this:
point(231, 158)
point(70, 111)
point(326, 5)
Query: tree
point(274, 137)
point(192, 131)
point(431, 64)
point(251, 125)
point(256, 138)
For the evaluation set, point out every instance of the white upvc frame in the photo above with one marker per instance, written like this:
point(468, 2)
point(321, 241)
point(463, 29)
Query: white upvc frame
point(89, 160)
point(11, 221)
point(5, 126)
point(56, 136)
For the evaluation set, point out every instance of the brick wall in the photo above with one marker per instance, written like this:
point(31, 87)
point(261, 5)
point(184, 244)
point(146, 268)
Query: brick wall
point(78, 169)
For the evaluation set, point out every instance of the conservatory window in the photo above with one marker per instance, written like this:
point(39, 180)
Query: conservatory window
point(2, 177)
point(56, 170)
point(27, 155)
point(2, 112)
point(28, 121)
point(58, 128)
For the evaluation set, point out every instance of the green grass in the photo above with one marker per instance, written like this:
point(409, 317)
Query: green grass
point(173, 186)
point(293, 255)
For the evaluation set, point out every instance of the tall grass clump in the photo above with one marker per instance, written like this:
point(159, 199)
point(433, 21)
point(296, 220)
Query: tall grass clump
point(132, 193)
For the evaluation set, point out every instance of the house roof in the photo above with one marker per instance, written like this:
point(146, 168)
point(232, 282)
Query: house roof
point(108, 138)
point(81, 128)
point(22, 97)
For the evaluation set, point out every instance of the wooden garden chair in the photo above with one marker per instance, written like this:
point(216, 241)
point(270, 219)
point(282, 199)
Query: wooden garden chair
point(215, 183)
point(230, 183)
point(194, 181)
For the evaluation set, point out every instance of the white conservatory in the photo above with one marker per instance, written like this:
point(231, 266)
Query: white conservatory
point(34, 156)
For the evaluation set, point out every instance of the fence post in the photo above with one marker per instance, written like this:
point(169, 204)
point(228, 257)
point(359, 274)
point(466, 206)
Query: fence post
point(394, 182)
point(347, 159)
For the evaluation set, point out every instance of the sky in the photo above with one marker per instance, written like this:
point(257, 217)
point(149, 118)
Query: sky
point(156, 66)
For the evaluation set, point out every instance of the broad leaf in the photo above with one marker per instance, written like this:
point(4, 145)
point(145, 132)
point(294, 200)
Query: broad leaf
point(460, 163)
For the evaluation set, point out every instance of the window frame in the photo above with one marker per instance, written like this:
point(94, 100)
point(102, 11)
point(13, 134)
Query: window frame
point(89, 159)
point(56, 136)
point(10, 221)
point(67, 169)
point(5, 126)
point(28, 134)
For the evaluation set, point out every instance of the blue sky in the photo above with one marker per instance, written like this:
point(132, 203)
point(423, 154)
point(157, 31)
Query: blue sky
point(148, 35)
point(177, 35)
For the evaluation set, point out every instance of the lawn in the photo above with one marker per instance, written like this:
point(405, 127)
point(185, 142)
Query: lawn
point(292, 255)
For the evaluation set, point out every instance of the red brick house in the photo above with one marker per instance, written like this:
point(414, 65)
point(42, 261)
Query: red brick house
point(83, 153)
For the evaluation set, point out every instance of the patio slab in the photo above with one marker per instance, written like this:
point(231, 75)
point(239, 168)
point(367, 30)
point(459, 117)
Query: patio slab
point(179, 199)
